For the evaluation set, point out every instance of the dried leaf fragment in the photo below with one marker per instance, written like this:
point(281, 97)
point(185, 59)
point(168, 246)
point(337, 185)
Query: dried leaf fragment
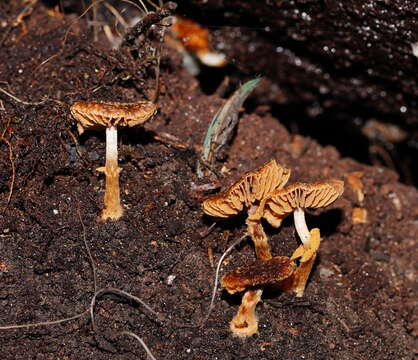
point(223, 123)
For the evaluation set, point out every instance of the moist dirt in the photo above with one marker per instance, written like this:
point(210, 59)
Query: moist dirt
point(359, 302)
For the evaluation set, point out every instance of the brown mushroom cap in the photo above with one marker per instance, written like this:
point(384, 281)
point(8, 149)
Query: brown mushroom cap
point(97, 115)
point(258, 273)
point(252, 187)
point(283, 202)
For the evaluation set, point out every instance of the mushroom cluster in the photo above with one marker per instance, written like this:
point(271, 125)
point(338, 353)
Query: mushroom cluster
point(261, 193)
point(95, 115)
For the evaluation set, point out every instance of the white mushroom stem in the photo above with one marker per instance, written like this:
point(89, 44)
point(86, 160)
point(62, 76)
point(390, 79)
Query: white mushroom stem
point(301, 228)
point(111, 147)
point(112, 206)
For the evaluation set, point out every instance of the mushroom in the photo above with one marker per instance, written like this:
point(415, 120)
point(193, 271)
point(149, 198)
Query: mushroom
point(95, 115)
point(296, 198)
point(195, 39)
point(259, 273)
point(247, 193)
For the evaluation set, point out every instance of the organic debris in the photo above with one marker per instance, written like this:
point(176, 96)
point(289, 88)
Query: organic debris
point(222, 125)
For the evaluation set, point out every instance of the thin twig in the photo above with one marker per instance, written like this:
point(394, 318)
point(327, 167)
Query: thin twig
point(45, 323)
point(116, 14)
point(120, 293)
point(93, 267)
point(162, 138)
point(146, 348)
point(207, 231)
point(215, 286)
point(66, 34)
point(22, 101)
point(12, 181)
point(9, 144)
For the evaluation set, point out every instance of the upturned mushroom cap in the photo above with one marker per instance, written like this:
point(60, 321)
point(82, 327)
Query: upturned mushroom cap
point(253, 186)
point(258, 273)
point(97, 115)
point(282, 202)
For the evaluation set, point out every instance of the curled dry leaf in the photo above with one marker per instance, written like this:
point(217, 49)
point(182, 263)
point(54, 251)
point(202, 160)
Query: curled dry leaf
point(258, 273)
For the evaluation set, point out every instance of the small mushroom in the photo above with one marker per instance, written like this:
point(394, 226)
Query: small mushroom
point(296, 198)
point(247, 193)
point(258, 273)
point(95, 115)
point(195, 39)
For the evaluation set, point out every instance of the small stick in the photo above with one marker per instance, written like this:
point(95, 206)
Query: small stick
point(120, 293)
point(76, 145)
point(210, 256)
point(207, 231)
point(148, 20)
point(146, 348)
point(93, 267)
point(164, 140)
point(8, 143)
point(12, 182)
point(43, 323)
point(22, 101)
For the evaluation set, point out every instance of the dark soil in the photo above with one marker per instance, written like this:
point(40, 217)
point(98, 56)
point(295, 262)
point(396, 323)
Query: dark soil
point(360, 302)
